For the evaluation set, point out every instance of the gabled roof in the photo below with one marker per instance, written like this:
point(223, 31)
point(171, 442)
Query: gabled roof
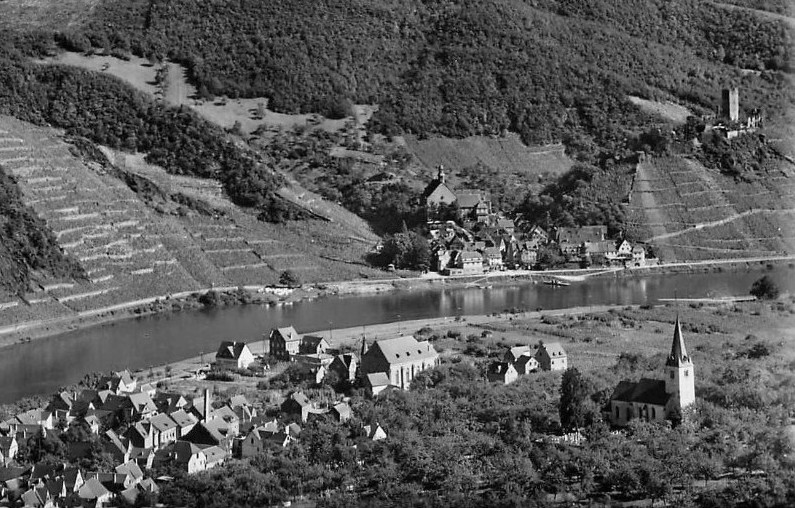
point(524, 360)
point(493, 252)
point(225, 413)
point(130, 468)
point(141, 402)
point(214, 454)
point(231, 350)
point(10, 473)
point(377, 379)
point(300, 398)
point(468, 255)
point(92, 489)
point(293, 430)
point(343, 409)
point(183, 419)
point(518, 351)
point(469, 198)
point(33, 416)
point(289, 334)
point(645, 391)
point(312, 341)
point(554, 349)
point(403, 349)
point(678, 356)
point(162, 422)
point(600, 247)
point(183, 451)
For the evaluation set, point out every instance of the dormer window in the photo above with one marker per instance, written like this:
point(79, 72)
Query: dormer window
point(397, 355)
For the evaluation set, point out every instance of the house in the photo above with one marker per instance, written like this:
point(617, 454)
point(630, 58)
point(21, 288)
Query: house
point(119, 382)
point(341, 412)
point(600, 252)
point(226, 421)
point(377, 382)
point(506, 225)
point(400, 359)
point(623, 248)
point(503, 372)
point(38, 497)
point(164, 429)
point(8, 449)
point(513, 354)
point(537, 234)
point(657, 399)
point(214, 456)
point(169, 402)
point(233, 356)
point(580, 235)
point(36, 417)
point(313, 345)
point(493, 257)
point(638, 255)
point(374, 432)
point(184, 422)
point(525, 365)
point(142, 406)
point(528, 256)
point(552, 356)
point(299, 406)
point(473, 204)
point(284, 343)
point(189, 457)
point(141, 435)
point(345, 366)
point(132, 473)
point(258, 439)
point(469, 261)
point(93, 493)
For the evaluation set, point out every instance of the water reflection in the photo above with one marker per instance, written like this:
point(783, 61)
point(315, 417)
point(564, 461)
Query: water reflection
point(42, 366)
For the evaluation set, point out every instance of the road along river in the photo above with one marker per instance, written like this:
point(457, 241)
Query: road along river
point(41, 366)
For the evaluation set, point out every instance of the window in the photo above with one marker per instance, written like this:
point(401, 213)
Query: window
point(687, 373)
point(653, 413)
point(617, 412)
point(672, 374)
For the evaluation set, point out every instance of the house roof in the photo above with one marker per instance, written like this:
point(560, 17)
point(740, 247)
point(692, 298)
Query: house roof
point(343, 409)
point(469, 198)
point(312, 341)
point(10, 473)
point(469, 255)
point(525, 359)
point(493, 252)
point(33, 416)
point(142, 402)
point(600, 247)
point(183, 451)
point(92, 489)
point(581, 234)
point(130, 468)
point(214, 454)
point(289, 334)
point(554, 349)
point(226, 413)
point(518, 351)
point(678, 356)
point(300, 398)
point(403, 349)
point(231, 350)
point(645, 391)
point(435, 184)
point(162, 422)
point(377, 379)
point(293, 429)
point(499, 368)
point(638, 248)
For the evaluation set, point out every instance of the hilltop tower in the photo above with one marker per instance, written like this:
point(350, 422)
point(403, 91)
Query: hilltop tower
point(679, 372)
point(730, 105)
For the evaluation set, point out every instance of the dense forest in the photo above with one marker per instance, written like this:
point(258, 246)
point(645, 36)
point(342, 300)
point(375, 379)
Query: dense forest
point(26, 244)
point(548, 70)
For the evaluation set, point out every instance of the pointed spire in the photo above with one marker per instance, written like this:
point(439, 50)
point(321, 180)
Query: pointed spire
point(364, 346)
point(678, 354)
point(440, 174)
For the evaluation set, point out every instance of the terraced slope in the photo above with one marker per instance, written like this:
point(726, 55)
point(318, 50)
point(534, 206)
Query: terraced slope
point(690, 212)
point(131, 250)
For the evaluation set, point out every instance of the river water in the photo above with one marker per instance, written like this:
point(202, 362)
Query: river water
point(41, 366)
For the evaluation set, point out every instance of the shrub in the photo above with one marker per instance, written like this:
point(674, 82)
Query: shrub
point(765, 288)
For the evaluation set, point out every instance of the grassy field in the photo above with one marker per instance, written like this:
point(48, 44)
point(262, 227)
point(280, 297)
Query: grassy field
point(507, 153)
point(44, 13)
point(667, 110)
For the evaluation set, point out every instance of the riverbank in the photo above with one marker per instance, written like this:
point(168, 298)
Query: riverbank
point(269, 296)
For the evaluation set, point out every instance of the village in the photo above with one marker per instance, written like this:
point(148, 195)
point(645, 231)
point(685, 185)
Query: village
point(467, 236)
point(135, 431)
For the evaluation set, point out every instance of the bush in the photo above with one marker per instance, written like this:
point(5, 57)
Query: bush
point(290, 279)
point(765, 288)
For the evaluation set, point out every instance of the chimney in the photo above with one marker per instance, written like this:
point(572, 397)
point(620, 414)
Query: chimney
point(207, 406)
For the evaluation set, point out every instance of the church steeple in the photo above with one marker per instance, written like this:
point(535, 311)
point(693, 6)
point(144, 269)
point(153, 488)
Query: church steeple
point(678, 356)
point(440, 174)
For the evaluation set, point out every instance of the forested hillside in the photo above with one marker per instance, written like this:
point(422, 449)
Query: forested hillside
point(549, 70)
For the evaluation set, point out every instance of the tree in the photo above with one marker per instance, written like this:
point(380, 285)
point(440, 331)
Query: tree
point(765, 288)
point(574, 396)
point(290, 279)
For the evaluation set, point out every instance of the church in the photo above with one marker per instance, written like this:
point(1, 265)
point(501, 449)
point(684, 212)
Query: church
point(655, 400)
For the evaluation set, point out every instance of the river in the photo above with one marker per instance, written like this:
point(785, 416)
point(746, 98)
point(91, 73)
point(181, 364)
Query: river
point(41, 366)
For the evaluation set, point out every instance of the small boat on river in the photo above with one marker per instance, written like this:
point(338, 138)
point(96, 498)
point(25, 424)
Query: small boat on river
point(556, 283)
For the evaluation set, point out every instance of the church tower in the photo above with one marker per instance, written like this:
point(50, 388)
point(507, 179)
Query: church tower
point(679, 372)
point(440, 174)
